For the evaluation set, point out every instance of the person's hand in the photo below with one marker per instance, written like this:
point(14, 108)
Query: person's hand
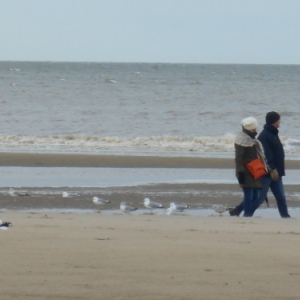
point(274, 175)
point(241, 177)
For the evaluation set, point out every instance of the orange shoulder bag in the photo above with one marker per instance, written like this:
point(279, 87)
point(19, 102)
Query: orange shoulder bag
point(257, 168)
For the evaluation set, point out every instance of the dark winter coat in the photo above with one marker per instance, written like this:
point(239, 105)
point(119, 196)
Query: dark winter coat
point(273, 148)
point(245, 151)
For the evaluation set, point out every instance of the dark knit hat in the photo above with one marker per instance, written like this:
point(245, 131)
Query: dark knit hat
point(272, 117)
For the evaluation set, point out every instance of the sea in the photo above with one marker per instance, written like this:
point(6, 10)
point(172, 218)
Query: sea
point(156, 109)
point(142, 108)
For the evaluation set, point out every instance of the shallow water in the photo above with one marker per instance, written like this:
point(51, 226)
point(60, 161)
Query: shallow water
point(116, 177)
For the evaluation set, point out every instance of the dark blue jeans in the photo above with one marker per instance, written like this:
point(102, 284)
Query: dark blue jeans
point(251, 195)
point(278, 192)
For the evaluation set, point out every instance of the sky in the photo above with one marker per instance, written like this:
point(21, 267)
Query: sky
point(166, 31)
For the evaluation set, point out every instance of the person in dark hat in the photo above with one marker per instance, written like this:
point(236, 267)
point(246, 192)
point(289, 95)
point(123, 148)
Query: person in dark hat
point(274, 153)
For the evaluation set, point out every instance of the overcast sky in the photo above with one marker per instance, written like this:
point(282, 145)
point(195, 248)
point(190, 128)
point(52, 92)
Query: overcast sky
point(187, 31)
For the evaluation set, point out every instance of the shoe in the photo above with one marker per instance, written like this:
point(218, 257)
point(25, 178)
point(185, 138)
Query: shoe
point(233, 212)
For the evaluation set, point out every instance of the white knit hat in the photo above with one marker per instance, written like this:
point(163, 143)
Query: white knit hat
point(249, 123)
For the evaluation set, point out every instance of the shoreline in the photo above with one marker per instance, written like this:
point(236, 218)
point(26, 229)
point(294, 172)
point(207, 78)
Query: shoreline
point(118, 161)
point(197, 196)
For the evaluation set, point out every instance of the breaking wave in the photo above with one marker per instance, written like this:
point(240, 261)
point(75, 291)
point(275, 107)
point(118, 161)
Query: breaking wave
point(216, 146)
point(94, 144)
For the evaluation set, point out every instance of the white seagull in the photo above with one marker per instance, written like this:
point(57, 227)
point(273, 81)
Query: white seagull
point(69, 194)
point(100, 201)
point(170, 211)
point(126, 208)
point(152, 205)
point(220, 208)
point(14, 193)
point(178, 207)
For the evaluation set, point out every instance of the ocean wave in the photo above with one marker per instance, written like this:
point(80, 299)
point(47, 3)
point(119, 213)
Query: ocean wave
point(114, 143)
point(154, 144)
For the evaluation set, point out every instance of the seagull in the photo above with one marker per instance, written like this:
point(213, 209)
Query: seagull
point(100, 201)
point(178, 207)
point(69, 194)
point(14, 193)
point(5, 225)
point(220, 208)
point(152, 205)
point(170, 211)
point(126, 208)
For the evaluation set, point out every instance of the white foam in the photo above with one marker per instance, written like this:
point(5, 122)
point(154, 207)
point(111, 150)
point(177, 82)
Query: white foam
point(154, 144)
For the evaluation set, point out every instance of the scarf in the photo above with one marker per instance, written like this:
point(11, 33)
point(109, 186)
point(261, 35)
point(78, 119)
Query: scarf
point(244, 140)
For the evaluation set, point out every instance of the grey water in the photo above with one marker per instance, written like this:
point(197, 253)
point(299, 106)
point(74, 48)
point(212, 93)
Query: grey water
point(142, 107)
point(118, 177)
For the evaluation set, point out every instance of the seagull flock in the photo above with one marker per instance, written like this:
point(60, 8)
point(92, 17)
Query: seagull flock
point(174, 208)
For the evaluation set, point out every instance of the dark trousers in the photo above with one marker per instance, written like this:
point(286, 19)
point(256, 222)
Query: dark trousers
point(278, 192)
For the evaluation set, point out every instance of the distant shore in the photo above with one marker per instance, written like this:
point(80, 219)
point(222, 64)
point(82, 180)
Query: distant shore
point(118, 161)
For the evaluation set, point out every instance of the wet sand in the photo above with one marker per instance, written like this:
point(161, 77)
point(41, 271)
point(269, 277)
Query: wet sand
point(118, 161)
point(196, 195)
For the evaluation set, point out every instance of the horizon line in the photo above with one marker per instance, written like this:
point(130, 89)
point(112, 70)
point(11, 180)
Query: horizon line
point(145, 62)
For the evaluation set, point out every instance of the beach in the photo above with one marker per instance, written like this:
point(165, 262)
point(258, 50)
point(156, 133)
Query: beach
point(95, 256)
point(61, 248)
point(69, 248)
point(124, 132)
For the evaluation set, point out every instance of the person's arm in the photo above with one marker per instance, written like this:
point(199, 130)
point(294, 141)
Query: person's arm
point(239, 163)
point(268, 146)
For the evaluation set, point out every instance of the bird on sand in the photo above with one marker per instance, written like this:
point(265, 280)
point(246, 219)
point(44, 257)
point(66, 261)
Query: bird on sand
point(220, 208)
point(126, 208)
point(99, 201)
point(151, 204)
point(178, 207)
point(69, 194)
point(5, 225)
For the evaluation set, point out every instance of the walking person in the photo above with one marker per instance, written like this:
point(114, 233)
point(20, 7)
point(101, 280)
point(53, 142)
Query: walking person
point(274, 152)
point(247, 149)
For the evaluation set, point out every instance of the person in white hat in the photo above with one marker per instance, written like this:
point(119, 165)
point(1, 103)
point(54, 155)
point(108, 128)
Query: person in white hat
point(247, 148)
